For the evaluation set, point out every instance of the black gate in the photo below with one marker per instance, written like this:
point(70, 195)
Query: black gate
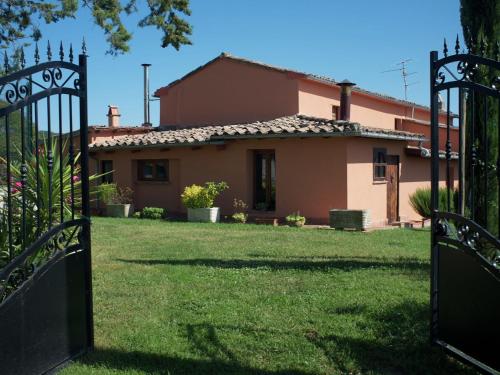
point(45, 263)
point(465, 287)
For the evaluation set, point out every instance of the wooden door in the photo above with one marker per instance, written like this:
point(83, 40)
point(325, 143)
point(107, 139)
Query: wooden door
point(392, 176)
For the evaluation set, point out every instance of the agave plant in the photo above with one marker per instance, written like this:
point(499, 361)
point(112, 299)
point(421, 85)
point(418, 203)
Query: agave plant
point(48, 196)
point(420, 201)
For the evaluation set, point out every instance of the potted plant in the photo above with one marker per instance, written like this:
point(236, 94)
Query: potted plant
point(295, 220)
point(199, 201)
point(240, 215)
point(118, 200)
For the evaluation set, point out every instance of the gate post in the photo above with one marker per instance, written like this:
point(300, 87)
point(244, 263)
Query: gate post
point(434, 193)
point(84, 149)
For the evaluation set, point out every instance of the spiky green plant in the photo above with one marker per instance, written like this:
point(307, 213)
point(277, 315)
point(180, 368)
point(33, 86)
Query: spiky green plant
point(51, 203)
point(420, 201)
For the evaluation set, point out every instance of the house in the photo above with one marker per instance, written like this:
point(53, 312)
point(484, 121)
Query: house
point(283, 140)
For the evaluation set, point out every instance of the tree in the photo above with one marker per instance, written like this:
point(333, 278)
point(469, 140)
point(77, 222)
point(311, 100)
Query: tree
point(481, 28)
point(18, 20)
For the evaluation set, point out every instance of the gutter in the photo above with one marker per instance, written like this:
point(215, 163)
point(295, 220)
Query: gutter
point(220, 140)
point(359, 133)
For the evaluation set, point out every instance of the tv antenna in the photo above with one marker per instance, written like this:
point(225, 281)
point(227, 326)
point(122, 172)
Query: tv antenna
point(403, 68)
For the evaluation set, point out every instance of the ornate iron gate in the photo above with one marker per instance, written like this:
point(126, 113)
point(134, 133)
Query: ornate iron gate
point(465, 287)
point(45, 263)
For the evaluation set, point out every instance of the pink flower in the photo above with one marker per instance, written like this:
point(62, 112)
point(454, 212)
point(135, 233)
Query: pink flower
point(18, 185)
point(76, 178)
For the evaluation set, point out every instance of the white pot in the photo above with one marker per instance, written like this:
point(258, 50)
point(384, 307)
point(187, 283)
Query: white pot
point(119, 210)
point(204, 215)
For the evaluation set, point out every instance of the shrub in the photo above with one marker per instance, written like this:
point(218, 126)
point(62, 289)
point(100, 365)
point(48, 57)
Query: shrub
point(240, 207)
point(136, 215)
point(153, 213)
point(295, 219)
point(420, 201)
point(196, 196)
point(240, 217)
point(105, 192)
point(113, 194)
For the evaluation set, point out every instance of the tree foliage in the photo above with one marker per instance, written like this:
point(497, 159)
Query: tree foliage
point(20, 20)
point(481, 28)
point(480, 18)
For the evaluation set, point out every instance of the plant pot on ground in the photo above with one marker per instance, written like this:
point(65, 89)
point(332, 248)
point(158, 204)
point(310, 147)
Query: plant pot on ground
point(118, 200)
point(199, 201)
point(295, 220)
point(240, 208)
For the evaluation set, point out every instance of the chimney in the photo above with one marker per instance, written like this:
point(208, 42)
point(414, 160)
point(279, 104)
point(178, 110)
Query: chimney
point(147, 114)
point(345, 99)
point(113, 116)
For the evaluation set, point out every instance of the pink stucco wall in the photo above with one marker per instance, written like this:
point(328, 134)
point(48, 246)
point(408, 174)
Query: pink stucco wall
point(316, 99)
point(230, 91)
point(311, 174)
point(363, 192)
point(226, 92)
point(416, 127)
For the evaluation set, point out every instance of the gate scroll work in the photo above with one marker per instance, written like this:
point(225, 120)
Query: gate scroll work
point(465, 246)
point(45, 261)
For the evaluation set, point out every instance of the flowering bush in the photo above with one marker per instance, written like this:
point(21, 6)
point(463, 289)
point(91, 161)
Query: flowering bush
point(196, 196)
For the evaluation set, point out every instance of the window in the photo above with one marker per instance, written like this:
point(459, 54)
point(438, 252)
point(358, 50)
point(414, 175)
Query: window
point(107, 171)
point(265, 180)
point(379, 164)
point(152, 170)
point(335, 112)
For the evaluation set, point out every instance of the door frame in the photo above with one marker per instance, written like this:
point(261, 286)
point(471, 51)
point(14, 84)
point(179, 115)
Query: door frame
point(392, 160)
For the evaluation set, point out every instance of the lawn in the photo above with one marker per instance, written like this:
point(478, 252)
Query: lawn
point(180, 298)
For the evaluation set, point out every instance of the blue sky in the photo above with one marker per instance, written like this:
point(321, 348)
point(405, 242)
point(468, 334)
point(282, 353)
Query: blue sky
point(340, 39)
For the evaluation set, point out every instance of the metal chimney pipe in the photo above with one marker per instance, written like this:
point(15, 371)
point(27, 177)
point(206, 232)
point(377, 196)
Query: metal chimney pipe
point(147, 113)
point(345, 99)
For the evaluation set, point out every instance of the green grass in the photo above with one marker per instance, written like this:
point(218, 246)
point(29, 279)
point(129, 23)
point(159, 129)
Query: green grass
point(179, 298)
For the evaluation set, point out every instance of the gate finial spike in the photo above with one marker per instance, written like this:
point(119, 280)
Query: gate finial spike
point(84, 47)
point(445, 48)
point(23, 60)
point(457, 45)
point(6, 66)
point(49, 51)
point(61, 51)
point(37, 54)
point(71, 52)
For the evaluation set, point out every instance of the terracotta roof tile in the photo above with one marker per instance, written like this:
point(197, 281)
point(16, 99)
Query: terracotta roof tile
point(288, 126)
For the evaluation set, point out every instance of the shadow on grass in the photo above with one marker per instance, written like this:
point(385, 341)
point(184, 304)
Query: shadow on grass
point(152, 363)
point(395, 341)
point(340, 263)
point(390, 342)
